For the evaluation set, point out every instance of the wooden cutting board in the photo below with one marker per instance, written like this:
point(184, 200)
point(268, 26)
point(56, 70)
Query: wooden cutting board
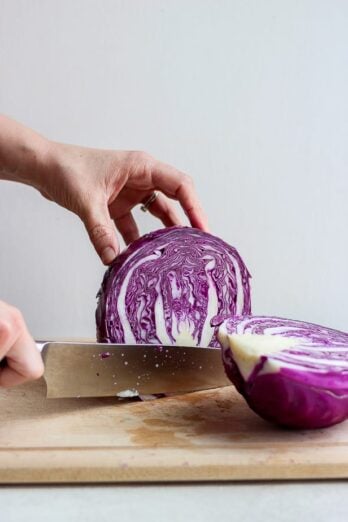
point(209, 435)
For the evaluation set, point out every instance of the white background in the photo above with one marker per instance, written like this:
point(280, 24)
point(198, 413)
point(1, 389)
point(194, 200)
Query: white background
point(249, 97)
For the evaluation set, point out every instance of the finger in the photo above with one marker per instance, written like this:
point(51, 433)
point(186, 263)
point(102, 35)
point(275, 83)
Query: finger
point(101, 231)
point(8, 330)
point(127, 227)
point(163, 209)
point(23, 360)
point(178, 185)
point(46, 195)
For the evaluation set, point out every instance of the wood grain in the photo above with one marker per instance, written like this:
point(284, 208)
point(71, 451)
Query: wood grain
point(209, 435)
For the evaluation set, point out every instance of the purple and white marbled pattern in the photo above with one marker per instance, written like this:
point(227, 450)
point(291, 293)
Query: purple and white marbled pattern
point(172, 286)
point(304, 385)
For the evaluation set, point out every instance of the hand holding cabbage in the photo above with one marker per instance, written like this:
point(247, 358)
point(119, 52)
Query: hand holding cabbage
point(101, 187)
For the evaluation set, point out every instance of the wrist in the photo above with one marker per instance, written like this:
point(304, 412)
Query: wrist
point(24, 154)
point(39, 159)
point(44, 164)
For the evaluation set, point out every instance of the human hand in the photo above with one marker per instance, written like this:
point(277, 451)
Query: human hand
point(100, 186)
point(103, 186)
point(23, 360)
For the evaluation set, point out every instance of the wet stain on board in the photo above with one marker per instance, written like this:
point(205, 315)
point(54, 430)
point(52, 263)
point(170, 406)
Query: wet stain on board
point(190, 421)
point(153, 437)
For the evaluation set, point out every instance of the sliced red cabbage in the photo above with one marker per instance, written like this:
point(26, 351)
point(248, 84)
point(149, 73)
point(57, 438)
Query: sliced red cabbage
point(172, 286)
point(290, 372)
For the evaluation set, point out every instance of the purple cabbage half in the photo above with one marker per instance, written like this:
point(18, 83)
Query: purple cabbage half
point(172, 286)
point(290, 372)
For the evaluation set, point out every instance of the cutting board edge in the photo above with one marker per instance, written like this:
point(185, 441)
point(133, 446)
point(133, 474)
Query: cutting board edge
point(122, 467)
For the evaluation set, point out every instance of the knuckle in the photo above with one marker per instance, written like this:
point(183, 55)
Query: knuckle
point(5, 330)
point(143, 156)
point(144, 161)
point(16, 317)
point(11, 322)
point(186, 185)
point(187, 180)
point(100, 232)
point(136, 157)
point(16, 314)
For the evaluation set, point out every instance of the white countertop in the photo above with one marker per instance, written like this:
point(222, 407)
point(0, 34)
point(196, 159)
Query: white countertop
point(274, 502)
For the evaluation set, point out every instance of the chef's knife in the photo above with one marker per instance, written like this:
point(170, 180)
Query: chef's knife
point(102, 370)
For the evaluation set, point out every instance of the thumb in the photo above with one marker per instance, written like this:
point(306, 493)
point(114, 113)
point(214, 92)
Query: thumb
point(102, 232)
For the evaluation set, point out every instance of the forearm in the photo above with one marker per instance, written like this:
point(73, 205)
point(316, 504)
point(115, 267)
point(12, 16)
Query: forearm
point(24, 154)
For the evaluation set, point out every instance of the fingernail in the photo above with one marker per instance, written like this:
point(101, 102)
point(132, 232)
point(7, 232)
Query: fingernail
point(108, 255)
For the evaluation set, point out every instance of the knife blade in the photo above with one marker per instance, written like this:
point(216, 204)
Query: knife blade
point(104, 370)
